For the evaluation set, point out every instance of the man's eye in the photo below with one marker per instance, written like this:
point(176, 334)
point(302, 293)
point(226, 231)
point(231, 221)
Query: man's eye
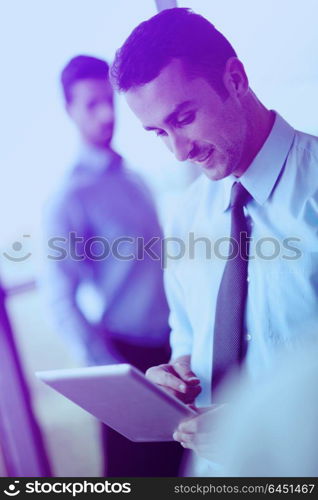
point(160, 132)
point(187, 118)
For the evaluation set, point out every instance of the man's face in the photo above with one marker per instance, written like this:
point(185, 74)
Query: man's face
point(92, 110)
point(193, 120)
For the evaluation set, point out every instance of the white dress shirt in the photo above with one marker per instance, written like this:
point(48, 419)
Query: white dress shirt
point(282, 302)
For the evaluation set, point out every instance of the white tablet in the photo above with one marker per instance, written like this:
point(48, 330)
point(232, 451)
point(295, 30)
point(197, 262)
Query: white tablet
point(123, 398)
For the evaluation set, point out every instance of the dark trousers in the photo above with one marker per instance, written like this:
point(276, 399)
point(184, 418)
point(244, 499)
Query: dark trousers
point(125, 458)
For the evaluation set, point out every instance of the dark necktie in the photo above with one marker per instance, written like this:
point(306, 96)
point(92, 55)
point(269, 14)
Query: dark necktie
point(229, 345)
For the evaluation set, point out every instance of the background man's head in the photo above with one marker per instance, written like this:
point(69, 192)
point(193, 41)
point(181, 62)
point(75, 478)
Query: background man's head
point(89, 99)
point(182, 79)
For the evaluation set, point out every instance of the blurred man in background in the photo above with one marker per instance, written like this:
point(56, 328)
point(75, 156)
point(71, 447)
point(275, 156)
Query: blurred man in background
point(105, 288)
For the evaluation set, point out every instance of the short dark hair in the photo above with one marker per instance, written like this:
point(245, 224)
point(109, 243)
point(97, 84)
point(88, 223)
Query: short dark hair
point(80, 68)
point(173, 33)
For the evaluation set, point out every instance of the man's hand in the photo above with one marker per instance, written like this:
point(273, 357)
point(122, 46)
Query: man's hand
point(200, 433)
point(176, 378)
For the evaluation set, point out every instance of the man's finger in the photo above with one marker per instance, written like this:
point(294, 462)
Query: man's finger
point(182, 437)
point(182, 368)
point(163, 375)
point(170, 391)
point(187, 397)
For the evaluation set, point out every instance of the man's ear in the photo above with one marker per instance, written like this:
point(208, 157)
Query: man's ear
point(234, 78)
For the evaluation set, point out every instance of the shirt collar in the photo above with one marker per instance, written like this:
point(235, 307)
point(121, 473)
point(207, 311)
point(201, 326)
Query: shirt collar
point(260, 177)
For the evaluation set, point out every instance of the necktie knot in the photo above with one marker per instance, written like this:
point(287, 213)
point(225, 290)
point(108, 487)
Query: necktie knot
point(239, 195)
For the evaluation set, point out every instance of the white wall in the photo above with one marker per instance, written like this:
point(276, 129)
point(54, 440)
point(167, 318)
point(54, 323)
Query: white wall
point(277, 40)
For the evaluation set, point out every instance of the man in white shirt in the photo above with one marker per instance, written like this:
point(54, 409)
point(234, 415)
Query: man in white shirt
point(184, 81)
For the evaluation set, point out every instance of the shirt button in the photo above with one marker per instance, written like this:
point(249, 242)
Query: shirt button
point(248, 337)
point(248, 279)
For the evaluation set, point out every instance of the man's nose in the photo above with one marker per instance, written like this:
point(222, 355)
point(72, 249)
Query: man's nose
point(180, 146)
